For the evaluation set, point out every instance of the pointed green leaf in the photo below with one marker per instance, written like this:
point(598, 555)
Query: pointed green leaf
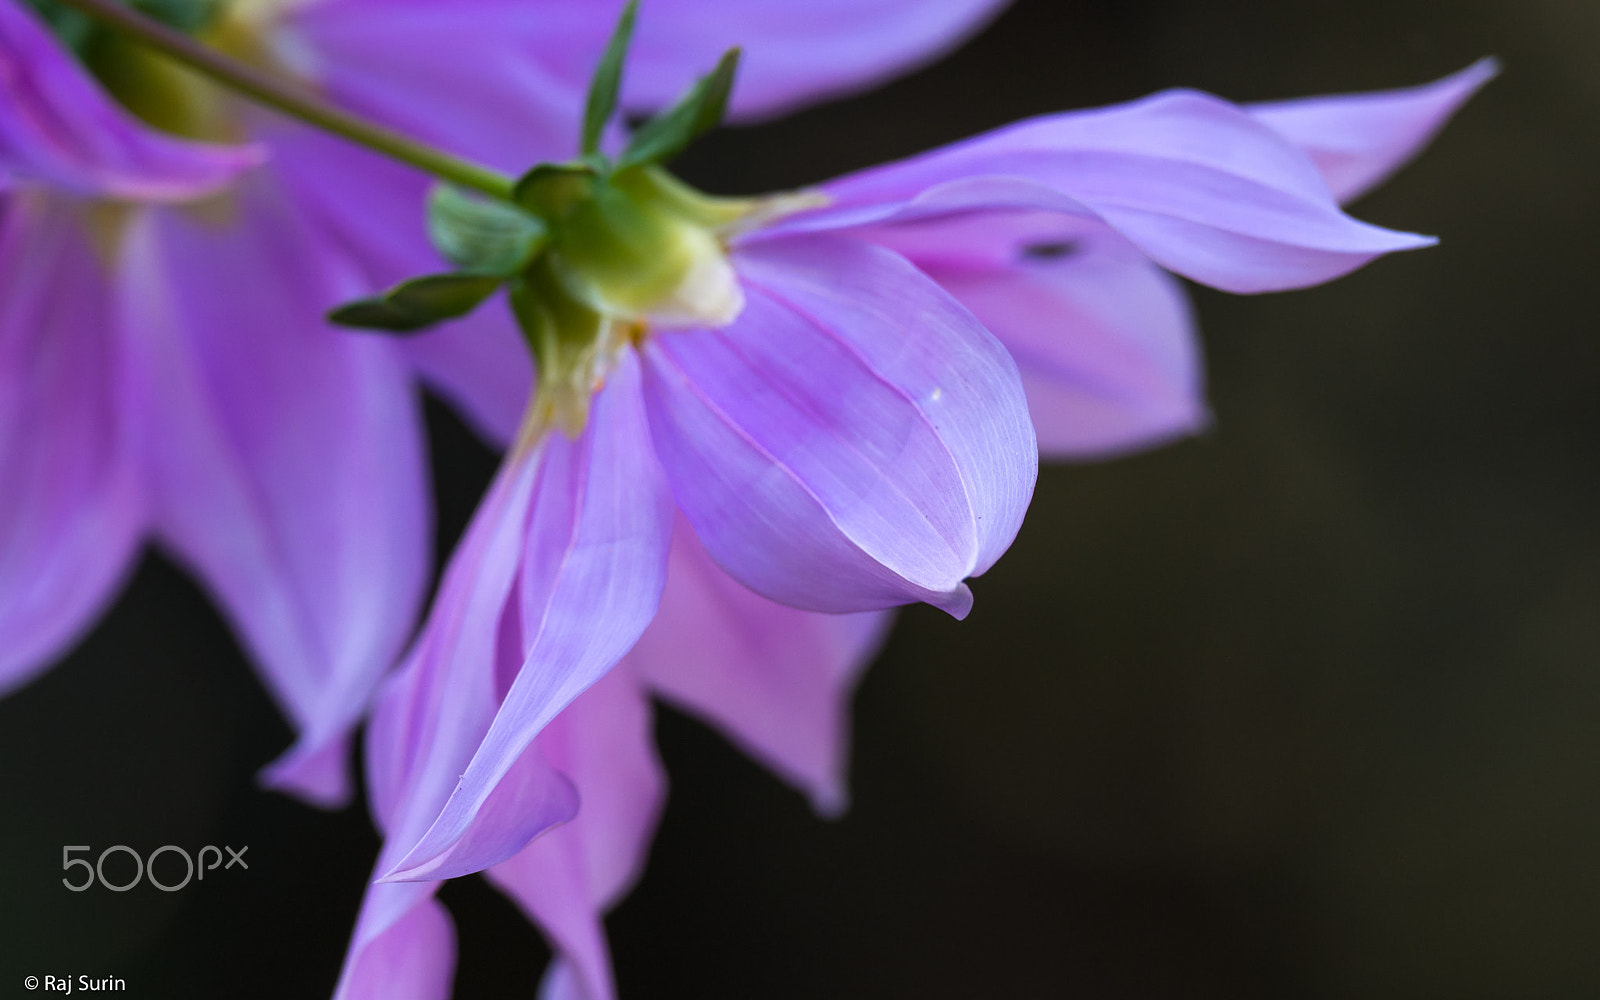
point(697, 112)
point(482, 236)
point(374, 314)
point(607, 80)
point(418, 303)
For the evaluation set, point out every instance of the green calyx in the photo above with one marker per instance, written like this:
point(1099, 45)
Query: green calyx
point(595, 251)
point(592, 262)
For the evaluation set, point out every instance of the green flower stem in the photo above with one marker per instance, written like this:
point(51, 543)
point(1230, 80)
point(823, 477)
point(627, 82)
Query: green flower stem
point(266, 88)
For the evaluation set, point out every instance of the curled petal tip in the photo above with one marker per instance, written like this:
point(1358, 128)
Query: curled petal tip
point(957, 603)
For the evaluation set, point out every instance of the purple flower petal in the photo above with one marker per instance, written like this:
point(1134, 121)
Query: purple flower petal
point(592, 569)
point(562, 982)
point(412, 959)
point(774, 679)
point(286, 458)
point(469, 75)
point(795, 53)
point(1358, 140)
point(1194, 182)
point(1105, 340)
point(58, 127)
point(434, 712)
point(567, 878)
point(71, 509)
point(372, 207)
point(854, 441)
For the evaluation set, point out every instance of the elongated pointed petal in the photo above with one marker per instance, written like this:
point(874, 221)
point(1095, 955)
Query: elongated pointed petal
point(71, 507)
point(286, 460)
point(434, 712)
point(567, 879)
point(1359, 140)
point(795, 53)
point(775, 680)
point(1194, 182)
point(59, 128)
point(593, 564)
point(1105, 340)
point(854, 441)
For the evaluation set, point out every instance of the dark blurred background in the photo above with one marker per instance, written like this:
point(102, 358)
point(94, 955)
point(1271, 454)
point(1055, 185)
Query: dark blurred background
point(1307, 708)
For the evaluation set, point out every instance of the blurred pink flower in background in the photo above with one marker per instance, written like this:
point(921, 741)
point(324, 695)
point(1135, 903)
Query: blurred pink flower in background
point(165, 369)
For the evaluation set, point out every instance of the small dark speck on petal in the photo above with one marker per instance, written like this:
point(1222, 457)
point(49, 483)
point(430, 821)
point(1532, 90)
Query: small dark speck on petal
point(1053, 250)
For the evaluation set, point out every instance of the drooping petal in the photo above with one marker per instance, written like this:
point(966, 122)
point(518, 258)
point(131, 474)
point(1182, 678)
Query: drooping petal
point(434, 712)
point(1359, 140)
point(567, 878)
point(71, 507)
point(1192, 181)
point(593, 565)
point(286, 458)
point(373, 208)
point(774, 679)
point(468, 75)
point(1105, 340)
point(854, 441)
point(59, 128)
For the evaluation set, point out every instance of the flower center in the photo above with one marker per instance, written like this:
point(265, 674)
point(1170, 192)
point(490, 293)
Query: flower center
point(155, 88)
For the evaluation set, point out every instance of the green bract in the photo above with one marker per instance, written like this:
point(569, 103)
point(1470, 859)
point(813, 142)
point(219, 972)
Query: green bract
point(481, 236)
point(419, 303)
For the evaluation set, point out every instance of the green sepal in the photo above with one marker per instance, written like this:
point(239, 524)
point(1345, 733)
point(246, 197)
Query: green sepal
point(417, 304)
point(551, 190)
point(480, 236)
point(607, 80)
point(187, 16)
point(698, 111)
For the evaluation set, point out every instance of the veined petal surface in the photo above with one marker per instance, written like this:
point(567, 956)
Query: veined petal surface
point(1359, 140)
point(1194, 182)
point(774, 679)
point(593, 563)
point(59, 128)
point(1106, 341)
point(71, 504)
point(285, 457)
point(855, 440)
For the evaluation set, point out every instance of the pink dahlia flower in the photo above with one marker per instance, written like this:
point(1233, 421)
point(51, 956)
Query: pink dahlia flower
point(840, 431)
